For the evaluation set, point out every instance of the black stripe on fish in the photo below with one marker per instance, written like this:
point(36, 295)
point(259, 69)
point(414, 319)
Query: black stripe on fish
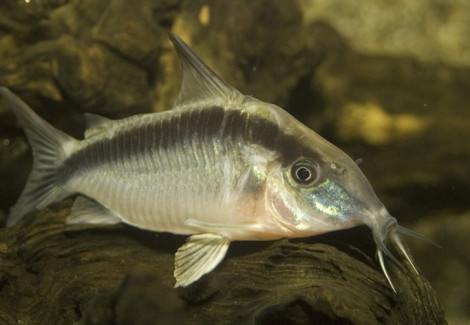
point(207, 124)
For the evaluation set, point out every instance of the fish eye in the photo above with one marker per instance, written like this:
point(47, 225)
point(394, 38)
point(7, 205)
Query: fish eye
point(304, 172)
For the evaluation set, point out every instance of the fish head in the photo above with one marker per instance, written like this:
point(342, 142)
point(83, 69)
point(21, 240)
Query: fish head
point(317, 188)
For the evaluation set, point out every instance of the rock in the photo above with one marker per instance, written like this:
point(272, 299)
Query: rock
point(247, 43)
point(430, 31)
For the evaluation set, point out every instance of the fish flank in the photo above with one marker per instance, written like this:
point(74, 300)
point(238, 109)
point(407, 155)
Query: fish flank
point(184, 154)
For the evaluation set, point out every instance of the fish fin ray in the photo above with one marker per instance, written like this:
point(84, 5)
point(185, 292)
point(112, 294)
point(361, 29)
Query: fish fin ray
point(200, 255)
point(88, 211)
point(50, 148)
point(199, 82)
point(96, 124)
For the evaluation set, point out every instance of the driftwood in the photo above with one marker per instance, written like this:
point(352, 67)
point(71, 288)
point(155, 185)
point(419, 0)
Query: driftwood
point(51, 273)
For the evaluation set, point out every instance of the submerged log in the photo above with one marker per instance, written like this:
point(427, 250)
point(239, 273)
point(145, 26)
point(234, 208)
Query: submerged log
point(51, 273)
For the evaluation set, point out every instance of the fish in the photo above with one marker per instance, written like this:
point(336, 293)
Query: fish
point(220, 166)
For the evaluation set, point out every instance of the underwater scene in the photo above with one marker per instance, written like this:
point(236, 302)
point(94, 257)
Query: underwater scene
point(234, 162)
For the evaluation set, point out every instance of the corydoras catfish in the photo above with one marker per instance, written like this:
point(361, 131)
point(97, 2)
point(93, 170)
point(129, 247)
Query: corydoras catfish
point(220, 166)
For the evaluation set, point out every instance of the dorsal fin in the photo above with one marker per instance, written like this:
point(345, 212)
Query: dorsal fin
point(199, 81)
point(96, 124)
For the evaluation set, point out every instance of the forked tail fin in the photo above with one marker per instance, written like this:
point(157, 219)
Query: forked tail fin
point(50, 148)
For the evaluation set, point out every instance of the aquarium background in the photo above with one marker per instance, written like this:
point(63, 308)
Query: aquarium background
point(387, 82)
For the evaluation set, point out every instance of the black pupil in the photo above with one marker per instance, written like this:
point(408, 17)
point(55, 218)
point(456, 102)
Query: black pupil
point(303, 174)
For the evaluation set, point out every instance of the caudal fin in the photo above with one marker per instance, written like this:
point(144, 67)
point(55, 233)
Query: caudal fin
point(50, 148)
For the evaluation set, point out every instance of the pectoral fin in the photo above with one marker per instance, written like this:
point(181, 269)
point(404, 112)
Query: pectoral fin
point(200, 255)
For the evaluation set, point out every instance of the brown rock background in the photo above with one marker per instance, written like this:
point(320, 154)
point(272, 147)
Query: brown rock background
point(387, 82)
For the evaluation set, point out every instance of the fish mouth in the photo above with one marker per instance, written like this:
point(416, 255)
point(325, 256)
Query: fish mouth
point(389, 232)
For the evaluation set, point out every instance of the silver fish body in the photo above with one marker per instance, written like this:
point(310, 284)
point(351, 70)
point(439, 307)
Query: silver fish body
point(219, 166)
point(163, 171)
